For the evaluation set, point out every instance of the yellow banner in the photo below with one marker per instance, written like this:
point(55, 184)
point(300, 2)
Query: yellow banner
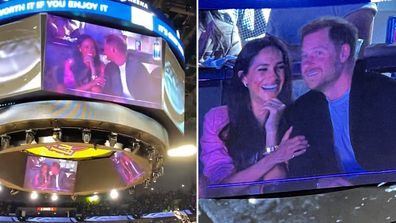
point(67, 151)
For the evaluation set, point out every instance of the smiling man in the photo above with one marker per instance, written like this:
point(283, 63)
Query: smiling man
point(348, 117)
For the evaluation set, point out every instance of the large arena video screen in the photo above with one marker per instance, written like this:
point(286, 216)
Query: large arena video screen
point(325, 140)
point(98, 62)
point(47, 174)
point(174, 89)
point(20, 57)
point(127, 168)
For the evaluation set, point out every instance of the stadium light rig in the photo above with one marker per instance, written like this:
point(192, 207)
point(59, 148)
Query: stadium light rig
point(54, 197)
point(86, 135)
point(183, 151)
point(30, 138)
point(114, 194)
point(34, 195)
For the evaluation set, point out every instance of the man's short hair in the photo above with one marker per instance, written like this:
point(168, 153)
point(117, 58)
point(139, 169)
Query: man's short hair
point(117, 42)
point(340, 31)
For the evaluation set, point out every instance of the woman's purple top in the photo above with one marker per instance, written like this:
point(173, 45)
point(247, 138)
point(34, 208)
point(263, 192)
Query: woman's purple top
point(214, 154)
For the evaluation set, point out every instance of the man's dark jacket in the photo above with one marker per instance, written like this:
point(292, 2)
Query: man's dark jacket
point(141, 84)
point(372, 114)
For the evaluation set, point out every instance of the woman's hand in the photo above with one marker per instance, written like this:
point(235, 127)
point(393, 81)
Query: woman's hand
point(98, 84)
point(275, 108)
point(289, 147)
point(88, 60)
point(99, 81)
point(90, 63)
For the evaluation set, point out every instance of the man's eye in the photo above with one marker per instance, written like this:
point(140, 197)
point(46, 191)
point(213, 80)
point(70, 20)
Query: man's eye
point(318, 53)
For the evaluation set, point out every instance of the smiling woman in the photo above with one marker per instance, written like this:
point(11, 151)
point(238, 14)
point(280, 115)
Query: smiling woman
point(239, 141)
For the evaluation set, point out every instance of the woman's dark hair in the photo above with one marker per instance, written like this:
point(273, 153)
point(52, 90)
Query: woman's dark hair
point(245, 137)
point(43, 165)
point(80, 71)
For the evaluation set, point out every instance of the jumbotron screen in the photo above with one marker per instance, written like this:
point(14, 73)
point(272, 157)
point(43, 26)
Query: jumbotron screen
point(174, 100)
point(20, 57)
point(128, 169)
point(50, 175)
point(94, 61)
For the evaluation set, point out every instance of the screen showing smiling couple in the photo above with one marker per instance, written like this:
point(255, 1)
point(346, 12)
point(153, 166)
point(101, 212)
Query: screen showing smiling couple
point(304, 109)
point(98, 62)
point(52, 175)
point(93, 61)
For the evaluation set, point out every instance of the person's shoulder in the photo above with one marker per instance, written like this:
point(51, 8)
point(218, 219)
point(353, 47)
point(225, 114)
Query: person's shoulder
point(376, 81)
point(216, 117)
point(220, 111)
point(308, 98)
point(133, 54)
point(373, 76)
point(110, 65)
point(309, 103)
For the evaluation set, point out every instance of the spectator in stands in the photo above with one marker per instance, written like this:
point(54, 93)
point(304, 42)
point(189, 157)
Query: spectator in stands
point(280, 25)
point(218, 36)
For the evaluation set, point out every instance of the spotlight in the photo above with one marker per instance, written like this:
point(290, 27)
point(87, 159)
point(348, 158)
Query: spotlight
point(115, 146)
point(54, 197)
point(160, 160)
point(151, 153)
point(5, 141)
point(252, 200)
point(112, 139)
point(86, 135)
point(135, 146)
point(162, 170)
point(114, 194)
point(146, 183)
point(14, 192)
point(34, 195)
point(155, 176)
point(29, 139)
point(46, 139)
point(131, 190)
point(93, 199)
point(57, 134)
point(74, 197)
point(183, 151)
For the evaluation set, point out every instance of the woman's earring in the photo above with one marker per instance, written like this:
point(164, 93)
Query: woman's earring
point(244, 83)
